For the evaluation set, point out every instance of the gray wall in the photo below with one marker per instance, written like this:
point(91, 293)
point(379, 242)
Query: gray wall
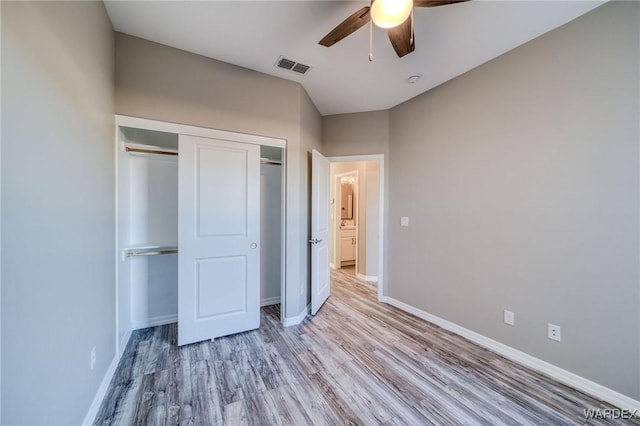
point(521, 182)
point(57, 208)
point(372, 226)
point(356, 134)
point(162, 83)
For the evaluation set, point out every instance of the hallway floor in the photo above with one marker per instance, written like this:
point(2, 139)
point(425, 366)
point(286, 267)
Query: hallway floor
point(349, 270)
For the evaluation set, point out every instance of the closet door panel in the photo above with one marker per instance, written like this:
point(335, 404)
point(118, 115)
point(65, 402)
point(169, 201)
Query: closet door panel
point(214, 296)
point(222, 209)
point(218, 236)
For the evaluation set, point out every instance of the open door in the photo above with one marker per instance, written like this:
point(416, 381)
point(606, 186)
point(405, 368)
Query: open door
point(218, 236)
point(320, 282)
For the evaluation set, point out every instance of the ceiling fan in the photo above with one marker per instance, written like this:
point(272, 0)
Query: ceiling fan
point(396, 16)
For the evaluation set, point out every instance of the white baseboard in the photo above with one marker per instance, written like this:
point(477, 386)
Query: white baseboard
point(102, 391)
point(123, 343)
point(268, 301)
point(155, 321)
point(369, 278)
point(587, 386)
point(288, 322)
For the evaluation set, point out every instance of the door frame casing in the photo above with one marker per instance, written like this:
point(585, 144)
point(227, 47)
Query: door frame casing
point(381, 203)
point(184, 129)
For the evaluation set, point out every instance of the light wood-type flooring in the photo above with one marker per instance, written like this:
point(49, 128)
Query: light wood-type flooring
point(349, 270)
point(356, 362)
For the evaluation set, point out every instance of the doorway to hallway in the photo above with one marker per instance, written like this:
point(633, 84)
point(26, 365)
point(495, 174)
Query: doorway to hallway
point(356, 192)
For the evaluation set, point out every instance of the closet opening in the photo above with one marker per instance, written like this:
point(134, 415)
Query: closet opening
point(271, 225)
point(147, 228)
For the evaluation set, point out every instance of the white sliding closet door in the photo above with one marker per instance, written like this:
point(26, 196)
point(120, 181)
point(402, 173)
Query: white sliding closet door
point(218, 236)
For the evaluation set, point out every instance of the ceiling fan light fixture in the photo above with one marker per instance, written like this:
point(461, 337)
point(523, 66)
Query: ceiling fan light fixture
point(390, 13)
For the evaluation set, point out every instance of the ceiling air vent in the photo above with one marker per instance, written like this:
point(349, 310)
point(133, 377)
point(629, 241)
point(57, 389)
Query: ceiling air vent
point(292, 66)
point(286, 64)
point(301, 68)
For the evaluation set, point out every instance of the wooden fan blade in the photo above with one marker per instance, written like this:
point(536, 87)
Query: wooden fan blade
point(401, 38)
point(434, 3)
point(346, 27)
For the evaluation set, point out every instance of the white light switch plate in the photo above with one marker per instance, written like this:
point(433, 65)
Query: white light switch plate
point(404, 221)
point(508, 317)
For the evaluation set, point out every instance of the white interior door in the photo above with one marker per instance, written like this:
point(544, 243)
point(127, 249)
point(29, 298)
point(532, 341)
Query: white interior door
point(320, 282)
point(218, 236)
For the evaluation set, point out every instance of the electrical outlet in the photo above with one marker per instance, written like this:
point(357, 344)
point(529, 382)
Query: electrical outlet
point(553, 332)
point(93, 357)
point(508, 317)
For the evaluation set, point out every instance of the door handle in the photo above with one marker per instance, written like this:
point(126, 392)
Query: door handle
point(315, 241)
point(254, 245)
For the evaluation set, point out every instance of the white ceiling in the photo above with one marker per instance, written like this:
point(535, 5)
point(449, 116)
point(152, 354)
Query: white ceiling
point(450, 40)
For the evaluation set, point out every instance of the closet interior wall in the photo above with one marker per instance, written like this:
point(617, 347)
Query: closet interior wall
point(271, 196)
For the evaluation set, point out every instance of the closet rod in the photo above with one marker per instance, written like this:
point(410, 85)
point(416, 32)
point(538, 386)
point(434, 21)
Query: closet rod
point(275, 163)
point(150, 151)
point(152, 253)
